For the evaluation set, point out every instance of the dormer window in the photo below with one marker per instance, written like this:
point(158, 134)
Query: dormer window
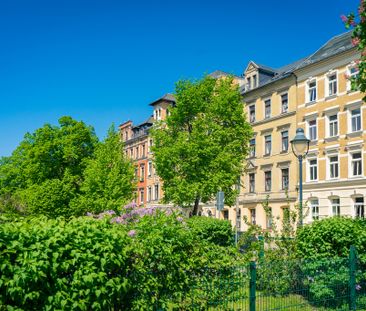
point(249, 81)
point(254, 81)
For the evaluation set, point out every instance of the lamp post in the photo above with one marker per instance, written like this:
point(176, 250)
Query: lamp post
point(300, 148)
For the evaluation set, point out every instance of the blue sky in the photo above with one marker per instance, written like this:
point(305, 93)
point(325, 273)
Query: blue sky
point(105, 61)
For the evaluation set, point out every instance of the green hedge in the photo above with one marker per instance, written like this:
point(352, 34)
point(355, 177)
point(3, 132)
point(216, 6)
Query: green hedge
point(89, 263)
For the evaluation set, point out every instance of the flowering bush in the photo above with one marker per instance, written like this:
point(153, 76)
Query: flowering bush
point(358, 23)
point(149, 260)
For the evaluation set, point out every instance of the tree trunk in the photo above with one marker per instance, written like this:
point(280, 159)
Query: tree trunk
point(195, 207)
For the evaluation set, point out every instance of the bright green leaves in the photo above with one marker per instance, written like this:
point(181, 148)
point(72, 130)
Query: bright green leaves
point(108, 178)
point(64, 171)
point(204, 143)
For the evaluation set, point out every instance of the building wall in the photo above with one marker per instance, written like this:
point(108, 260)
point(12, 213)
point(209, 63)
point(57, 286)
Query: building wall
point(325, 187)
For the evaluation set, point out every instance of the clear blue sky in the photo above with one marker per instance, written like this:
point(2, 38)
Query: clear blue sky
point(105, 61)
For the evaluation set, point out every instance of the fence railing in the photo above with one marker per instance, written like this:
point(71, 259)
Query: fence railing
point(321, 284)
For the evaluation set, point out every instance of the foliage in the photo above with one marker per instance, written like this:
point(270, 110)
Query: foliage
point(108, 178)
point(151, 262)
point(52, 264)
point(49, 163)
point(201, 147)
point(219, 232)
point(64, 171)
point(358, 23)
point(331, 237)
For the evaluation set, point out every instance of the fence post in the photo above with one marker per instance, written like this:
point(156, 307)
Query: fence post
point(261, 251)
point(252, 285)
point(352, 278)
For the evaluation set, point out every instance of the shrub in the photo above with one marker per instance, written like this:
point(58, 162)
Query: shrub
point(52, 264)
point(331, 237)
point(212, 230)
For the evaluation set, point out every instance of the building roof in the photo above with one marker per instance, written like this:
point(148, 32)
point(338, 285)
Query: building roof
point(167, 97)
point(334, 46)
point(148, 121)
point(219, 74)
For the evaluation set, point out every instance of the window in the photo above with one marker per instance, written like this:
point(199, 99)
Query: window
point(284, 135)
point(284, 103)
point(253, 216)
point(312, 130)
point(252, 113)
point(252, 148)
point(333, 167)
point(149, 194)
point(226, 214)
point(238, 219)
point(142, 172)
point(254, 81)
point(268, 144)
point(269, 218)
point(285, 178)
point(359, 207)
point(267, 108)
point(333, 125)
point(353, 74)
point(313, 169)
point(332, 84)
point(249, 81)
point(336, 207)
point(143, 150)
point(137, 153)
point(150, 144)
point(267, 181)
point(356, 119)
point(356, 164)
point(141, 196)
point(251, 182)
point(156, 190)
point(314, 209)
point(286, 215)
point(312, 91)
point(149, 168)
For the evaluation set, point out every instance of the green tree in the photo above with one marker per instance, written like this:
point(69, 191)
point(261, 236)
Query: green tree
point(201, 147)
point(44, 173)
point(108, 178)
point(358, 23)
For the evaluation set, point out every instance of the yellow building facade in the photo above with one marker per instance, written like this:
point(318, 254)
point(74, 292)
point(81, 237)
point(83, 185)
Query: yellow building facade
point(334, 119)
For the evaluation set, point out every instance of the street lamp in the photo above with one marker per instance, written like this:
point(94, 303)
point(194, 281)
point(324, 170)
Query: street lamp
point(300, 148)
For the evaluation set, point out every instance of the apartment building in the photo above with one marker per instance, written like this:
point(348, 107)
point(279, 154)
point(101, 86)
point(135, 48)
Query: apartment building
point(313, 93)
point(334, 119)
point(136, 140)
point(137, 147)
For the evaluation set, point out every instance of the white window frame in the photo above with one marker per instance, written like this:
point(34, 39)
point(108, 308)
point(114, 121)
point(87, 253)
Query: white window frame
point(270, 181)
point(149, 194)
point(265, 145)
point(251, 190)
point(265, 108)
point(328, 125)
point(350, 75)
point(336, 164)
point(309, 129)
point(269, 218)
point(351, 161)
point(288, 178)
point(281, 96)
point(351, 119)
point(335, 206)
point(310, 167)
point(282, 141)
point(314, 207)
point(252, 148)
point(308, 98)
point(327, 84)
point(149, 168)
point(359, 205)
point(253, 216)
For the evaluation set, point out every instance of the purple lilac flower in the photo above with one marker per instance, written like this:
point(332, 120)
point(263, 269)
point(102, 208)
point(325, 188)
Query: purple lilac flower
point(131, 233)
point(180, 219)
point(358, 287)
point(89, 214)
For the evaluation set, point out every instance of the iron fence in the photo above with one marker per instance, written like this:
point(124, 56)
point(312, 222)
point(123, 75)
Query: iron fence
point(322, 284)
